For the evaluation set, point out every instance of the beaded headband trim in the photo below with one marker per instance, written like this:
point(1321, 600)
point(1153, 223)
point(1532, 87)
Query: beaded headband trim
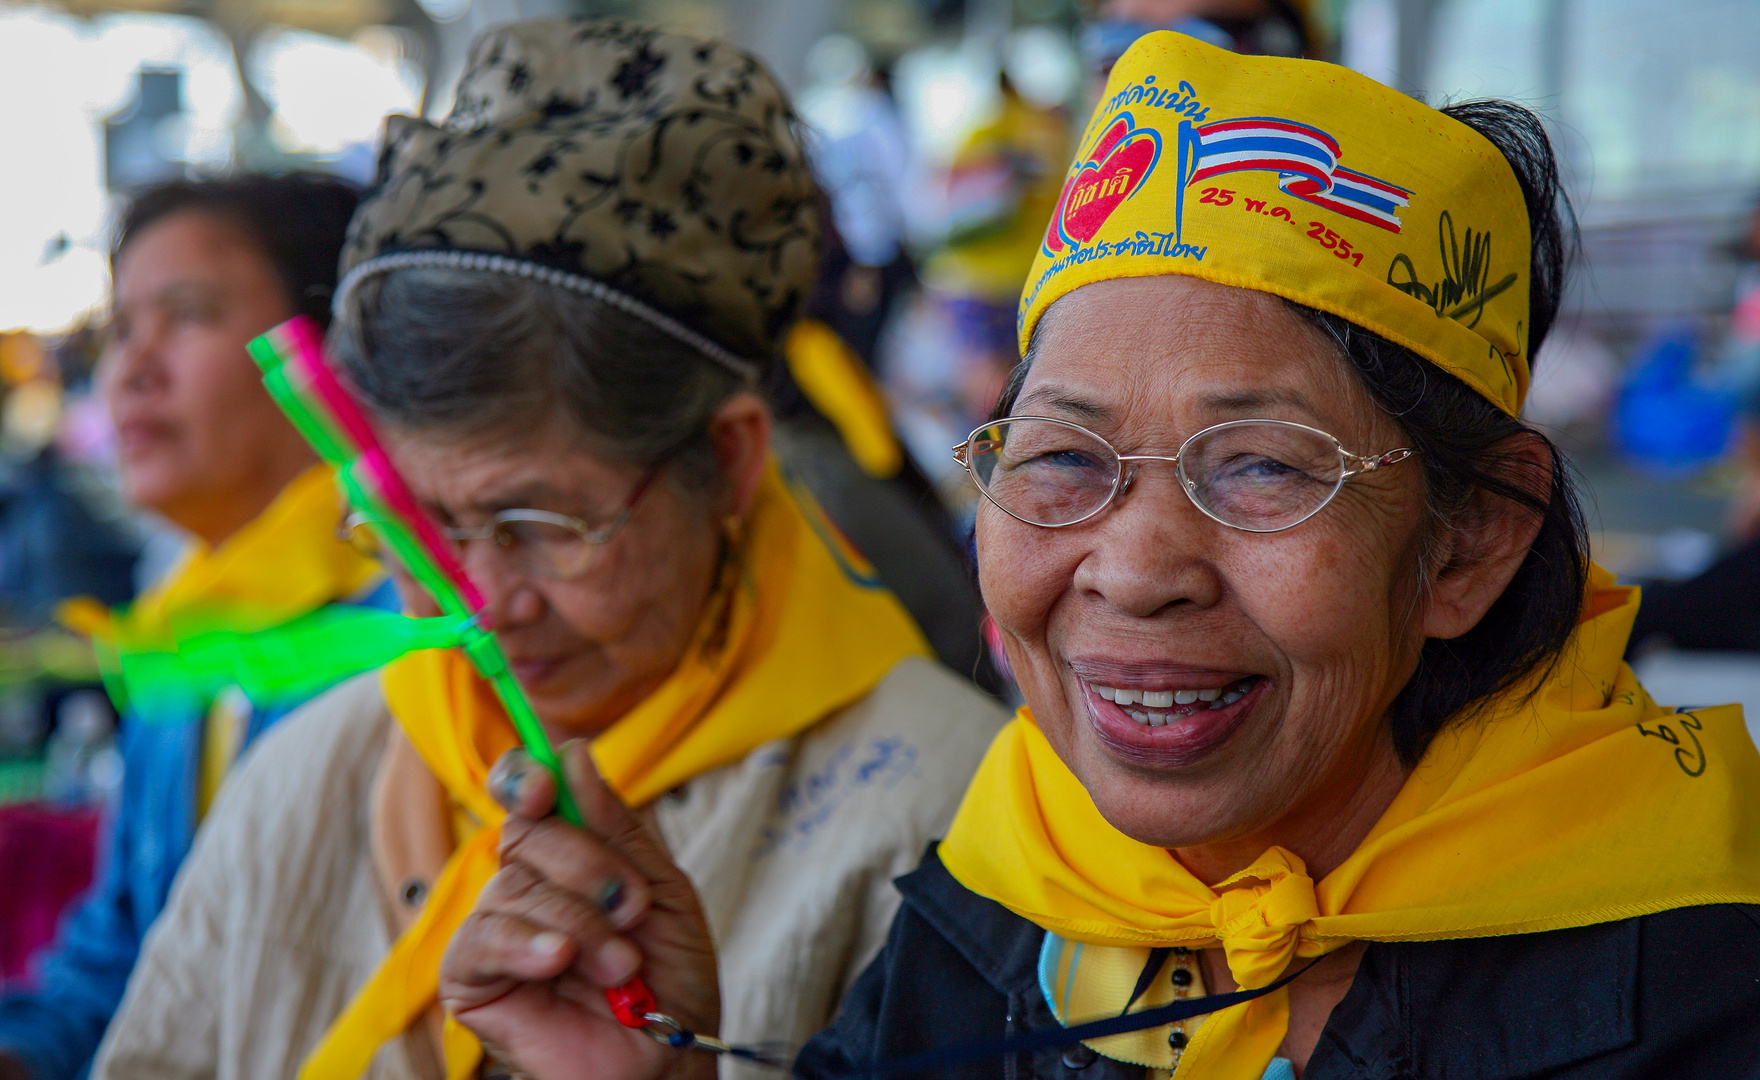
point(746, 370)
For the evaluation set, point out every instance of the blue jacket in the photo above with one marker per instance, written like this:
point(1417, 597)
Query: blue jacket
point(80, 977)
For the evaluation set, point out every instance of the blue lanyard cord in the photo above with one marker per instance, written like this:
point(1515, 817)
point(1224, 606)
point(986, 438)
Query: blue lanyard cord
point(1151, 968)
point(931, 1061)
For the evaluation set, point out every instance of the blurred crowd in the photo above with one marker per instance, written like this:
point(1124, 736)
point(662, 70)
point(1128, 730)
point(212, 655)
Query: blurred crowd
point(143, 467)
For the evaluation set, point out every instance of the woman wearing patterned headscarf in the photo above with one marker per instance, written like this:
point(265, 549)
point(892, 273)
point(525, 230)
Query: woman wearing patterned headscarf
point(561, 304)
point(1326, 718)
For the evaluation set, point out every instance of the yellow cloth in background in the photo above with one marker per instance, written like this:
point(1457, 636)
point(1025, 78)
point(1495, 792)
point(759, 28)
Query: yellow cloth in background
point(285, 562)
point(1003, 184)
point(799, 629)
point(1306, 180)
point(1588, 804)
point(222, 738)
point(837, 383)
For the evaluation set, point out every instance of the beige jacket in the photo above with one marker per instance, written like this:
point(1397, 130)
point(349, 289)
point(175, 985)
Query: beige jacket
point(279, 915)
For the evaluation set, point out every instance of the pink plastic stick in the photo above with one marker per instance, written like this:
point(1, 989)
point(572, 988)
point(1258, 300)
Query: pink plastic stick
point(391, 489)
point(308, 359)
point(309, 363)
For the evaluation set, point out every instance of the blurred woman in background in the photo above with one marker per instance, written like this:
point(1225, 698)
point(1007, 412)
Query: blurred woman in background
point(201, 267)
point(562, 304)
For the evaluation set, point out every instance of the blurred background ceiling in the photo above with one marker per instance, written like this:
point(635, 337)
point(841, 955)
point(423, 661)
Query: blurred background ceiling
point(1654, 106)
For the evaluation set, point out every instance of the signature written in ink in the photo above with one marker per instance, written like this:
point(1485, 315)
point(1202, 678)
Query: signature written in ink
point(1466, 270)
point(809, 804)
point(1691, 761)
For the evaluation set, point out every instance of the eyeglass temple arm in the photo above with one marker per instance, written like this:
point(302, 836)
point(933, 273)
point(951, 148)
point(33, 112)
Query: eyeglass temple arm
point(605, 532)
point(1363, 464)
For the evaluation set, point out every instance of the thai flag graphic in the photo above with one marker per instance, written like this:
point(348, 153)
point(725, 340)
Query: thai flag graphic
point(1306, 161)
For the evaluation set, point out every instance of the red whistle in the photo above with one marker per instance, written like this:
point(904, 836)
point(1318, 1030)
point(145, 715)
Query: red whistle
point(631, 1003)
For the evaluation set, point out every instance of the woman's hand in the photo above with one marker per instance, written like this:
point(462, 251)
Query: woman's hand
point(570, 913)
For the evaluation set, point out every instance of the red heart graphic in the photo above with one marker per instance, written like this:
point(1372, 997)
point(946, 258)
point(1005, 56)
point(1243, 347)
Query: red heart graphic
point(1098, 187)
point(1119, 129)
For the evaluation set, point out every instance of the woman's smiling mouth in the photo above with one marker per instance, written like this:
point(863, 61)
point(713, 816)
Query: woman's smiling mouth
point(1164, 726)
point(1157, 708)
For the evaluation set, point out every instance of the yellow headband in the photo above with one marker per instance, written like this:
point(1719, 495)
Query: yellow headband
point(1308, 181)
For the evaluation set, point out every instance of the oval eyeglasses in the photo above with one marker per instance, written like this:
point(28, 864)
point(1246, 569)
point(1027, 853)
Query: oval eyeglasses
point(1260, 476)
point(539, 543)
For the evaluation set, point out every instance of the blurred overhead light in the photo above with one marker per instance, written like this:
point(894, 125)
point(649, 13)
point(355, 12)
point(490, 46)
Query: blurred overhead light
point(1041, 63)
point(329, 95)
point(65, 75)
point(444, 10)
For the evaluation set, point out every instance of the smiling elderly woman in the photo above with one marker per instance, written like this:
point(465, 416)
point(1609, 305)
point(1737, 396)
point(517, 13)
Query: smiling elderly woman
point(561, 305)
point(1326, 711)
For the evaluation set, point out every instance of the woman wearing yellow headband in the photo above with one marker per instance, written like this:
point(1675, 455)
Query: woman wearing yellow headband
point(1321, 685)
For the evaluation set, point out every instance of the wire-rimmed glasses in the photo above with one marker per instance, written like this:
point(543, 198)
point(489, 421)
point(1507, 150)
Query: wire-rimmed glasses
point(538, 543)
point(1260, 476)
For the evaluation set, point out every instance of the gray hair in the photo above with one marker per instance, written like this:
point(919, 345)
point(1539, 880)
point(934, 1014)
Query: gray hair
point(485, 354)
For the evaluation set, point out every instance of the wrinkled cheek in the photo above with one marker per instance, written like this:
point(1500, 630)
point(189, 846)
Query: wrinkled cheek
point(638, 609)
point(1022, 575)
point(1330, 622)
point(1012, 577)
point(617, 610)
point(1321, 595)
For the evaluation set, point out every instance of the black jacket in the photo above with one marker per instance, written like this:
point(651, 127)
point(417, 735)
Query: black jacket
point(1673, 995)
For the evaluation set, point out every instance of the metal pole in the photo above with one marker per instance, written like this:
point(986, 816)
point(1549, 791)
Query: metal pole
point(1414, 20)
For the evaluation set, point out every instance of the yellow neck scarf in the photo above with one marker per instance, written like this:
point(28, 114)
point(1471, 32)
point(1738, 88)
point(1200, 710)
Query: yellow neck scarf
point(286, 561)
point(799, 629)
point(1588, 804)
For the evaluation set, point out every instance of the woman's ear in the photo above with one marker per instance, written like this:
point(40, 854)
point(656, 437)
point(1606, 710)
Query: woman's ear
point(1486, 546)
point(740, 433)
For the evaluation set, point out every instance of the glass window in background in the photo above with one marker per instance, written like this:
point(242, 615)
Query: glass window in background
point(1648, 380)
point(121, 99)
point(1655, 97)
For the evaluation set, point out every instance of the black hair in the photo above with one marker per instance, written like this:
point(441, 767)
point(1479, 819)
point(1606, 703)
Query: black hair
point(1464, 442)
point(298, 219)
point(494, 354)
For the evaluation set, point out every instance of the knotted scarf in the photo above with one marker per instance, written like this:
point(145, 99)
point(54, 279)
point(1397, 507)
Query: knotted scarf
point(1584, 803)
point(799, 629)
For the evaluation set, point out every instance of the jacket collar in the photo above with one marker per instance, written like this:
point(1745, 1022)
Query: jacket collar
point(998, 944)
point(1471, 1009)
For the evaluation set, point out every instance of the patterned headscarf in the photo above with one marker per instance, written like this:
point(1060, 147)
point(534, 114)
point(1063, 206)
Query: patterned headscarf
point(658, 173)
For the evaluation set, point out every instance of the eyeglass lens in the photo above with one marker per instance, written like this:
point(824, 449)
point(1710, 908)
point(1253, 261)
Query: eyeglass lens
point(1258, 476)
point(543, 548)
point(539, 548)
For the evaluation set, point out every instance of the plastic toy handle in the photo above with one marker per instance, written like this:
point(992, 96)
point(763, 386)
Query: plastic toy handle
point(632, 1002)
point(292, 360)
point(302, 383)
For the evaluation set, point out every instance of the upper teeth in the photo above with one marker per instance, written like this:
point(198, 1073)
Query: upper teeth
point(1167, 699)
